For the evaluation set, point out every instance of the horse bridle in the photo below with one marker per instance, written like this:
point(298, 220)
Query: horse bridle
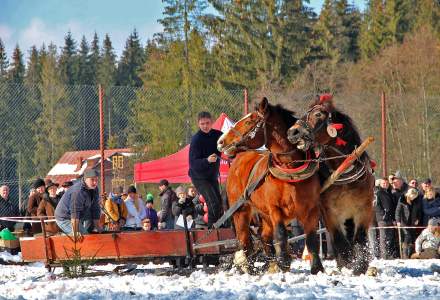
point(306, 125)
point(261, 123)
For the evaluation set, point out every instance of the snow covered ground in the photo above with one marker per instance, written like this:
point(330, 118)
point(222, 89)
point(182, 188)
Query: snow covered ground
point(397, 279)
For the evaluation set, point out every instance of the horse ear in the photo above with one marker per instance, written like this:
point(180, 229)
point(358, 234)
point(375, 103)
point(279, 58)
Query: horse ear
point(262, 106)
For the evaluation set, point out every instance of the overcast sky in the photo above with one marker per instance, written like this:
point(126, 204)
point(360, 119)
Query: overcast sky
point(32, 22)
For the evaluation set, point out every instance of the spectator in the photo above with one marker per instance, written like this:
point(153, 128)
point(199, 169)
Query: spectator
point(385, 211)
point(428, 242)
point(64, 187)
point(78, 209)
point(151, 214)
point(373, 234)
point(34, 201)
point(399, 188)
point(115, 212)
point(7, 209)
point(414, 184)
point(427, 185)
point(184, 206)
point(431, 206)
point(167, 198)
point(47, 207)
point(408, 214)
point(200, 211)
point(135, 208)
point(204, 164)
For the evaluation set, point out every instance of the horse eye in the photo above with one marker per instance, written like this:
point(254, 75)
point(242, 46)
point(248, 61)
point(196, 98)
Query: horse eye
point(318, 114)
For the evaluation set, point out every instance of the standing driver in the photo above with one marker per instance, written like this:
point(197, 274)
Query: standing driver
point(79, 207)
point(204, 165)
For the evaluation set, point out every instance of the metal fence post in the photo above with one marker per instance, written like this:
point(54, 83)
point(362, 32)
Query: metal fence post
point(101, 136)
point(246, 102)
point(384, 136)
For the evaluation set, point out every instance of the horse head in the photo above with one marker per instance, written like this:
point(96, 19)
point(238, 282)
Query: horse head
point(315, 126)
point(247, 133)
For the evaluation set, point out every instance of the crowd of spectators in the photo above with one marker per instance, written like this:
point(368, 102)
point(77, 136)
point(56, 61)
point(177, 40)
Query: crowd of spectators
point(407, 219)
point(76, 208)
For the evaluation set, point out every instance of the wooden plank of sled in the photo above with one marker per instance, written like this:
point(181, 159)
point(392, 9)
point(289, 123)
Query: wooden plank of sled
point(136, 244)
point(226, 243)
point(214, 237)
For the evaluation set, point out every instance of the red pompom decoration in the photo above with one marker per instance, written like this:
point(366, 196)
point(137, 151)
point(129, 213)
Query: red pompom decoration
point(325, 97)
point(202, 199)
point(373, 164)
point(338, 126)
point(340, 142)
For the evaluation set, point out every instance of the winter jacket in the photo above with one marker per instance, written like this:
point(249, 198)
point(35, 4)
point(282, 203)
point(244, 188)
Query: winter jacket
point(186, 208)
point(7, 209)
point(167, 198)
point(134, 216)
point(407, 214)
point(385, 208)
point(431, 209)
point(203, 145)
point(200, 211)
point(427, 240)
point(78, 202)
point(115, 210)
point(33, 203)
point(47, 208)
point(150, 213)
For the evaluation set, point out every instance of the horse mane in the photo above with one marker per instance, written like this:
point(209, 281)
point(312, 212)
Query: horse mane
point(350, 133)
point(287, 115)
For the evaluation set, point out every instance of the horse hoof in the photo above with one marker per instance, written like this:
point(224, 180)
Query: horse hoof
point(372, 271)
point(241, 261)
point(316, 269)
point(273, 268)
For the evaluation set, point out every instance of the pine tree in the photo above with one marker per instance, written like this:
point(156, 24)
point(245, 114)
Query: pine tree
point(95, 57)
point(4, 63)
point(107, 67)
point(83, 61)
point(53, 133)
point(131, 62)
point(260, 42)
point(67, 62)
point(33, 70)
point(17, 68)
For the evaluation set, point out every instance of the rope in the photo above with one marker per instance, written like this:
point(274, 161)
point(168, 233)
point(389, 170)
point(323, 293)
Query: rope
point(27, 220)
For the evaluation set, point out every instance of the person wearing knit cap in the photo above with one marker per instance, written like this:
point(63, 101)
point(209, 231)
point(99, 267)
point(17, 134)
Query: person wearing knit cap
point(150, 212)
point(34, 201)
point(79, 209)
point(409, 214)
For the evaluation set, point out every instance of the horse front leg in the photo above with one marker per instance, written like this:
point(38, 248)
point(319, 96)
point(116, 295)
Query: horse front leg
point(312, 242)
point(280, 242)
point(361, 251)
point(242, 219)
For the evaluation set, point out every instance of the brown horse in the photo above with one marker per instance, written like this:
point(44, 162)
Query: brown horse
point(277, 201)
point(347, 204)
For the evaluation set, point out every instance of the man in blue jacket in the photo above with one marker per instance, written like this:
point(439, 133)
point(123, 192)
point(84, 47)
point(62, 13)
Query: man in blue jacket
point(79, 207)
point(204, 165)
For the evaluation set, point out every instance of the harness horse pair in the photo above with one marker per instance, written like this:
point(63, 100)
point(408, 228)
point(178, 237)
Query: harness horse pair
point(290, 184)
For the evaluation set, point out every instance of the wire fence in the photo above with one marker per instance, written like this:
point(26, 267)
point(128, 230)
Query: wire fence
point(39, 123)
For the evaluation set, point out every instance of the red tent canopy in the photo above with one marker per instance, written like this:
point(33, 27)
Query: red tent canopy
point(175, 167)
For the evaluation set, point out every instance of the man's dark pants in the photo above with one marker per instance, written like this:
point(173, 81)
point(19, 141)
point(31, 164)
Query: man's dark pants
point(210, 190)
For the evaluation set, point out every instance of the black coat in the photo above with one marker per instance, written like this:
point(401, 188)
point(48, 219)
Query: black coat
point(7, 209)
point(203, 145)
point(407, 214)
point(186, 208)
point(167, 198)
point(385, 207)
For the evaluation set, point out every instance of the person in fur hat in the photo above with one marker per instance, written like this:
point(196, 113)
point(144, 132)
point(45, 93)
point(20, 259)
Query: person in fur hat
point(39, 187)
point(47, 207)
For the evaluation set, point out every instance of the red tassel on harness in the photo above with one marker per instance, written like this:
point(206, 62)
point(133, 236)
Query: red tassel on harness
point(325, 97)
point(340, 142)
point(373, 164)
point(338, 126)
